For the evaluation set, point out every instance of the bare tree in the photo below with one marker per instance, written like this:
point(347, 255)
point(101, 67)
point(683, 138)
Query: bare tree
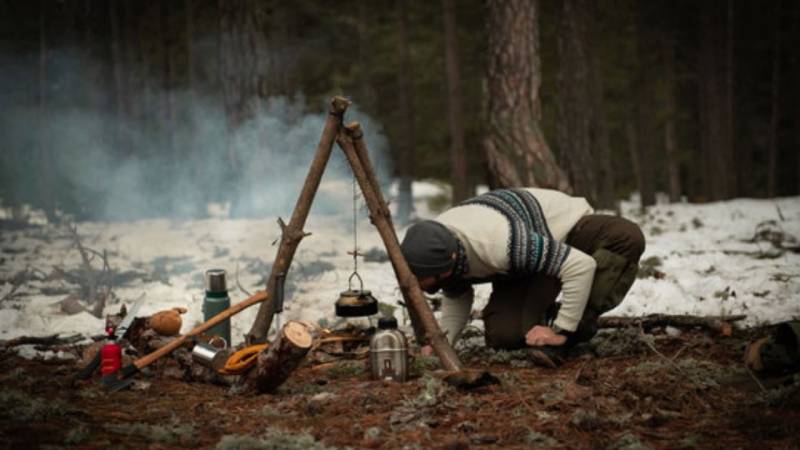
point(458, 159)
point(516, 150)
point(407, 141)
point(575, 98)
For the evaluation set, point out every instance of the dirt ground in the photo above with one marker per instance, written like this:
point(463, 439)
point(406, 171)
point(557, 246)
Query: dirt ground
point(627, 390)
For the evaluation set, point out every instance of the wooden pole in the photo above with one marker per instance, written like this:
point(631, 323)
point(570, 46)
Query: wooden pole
point(407, 281)
point(353, 129)
point(293, 233)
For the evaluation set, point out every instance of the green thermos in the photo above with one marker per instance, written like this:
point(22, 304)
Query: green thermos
point(216, 301)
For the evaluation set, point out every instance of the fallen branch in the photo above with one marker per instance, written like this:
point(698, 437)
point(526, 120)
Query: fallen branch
point(720, 324)
point(47, 341)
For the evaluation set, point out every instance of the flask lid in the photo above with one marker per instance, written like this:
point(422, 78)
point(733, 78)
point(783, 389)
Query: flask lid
point(387, 323)
point(215, 281)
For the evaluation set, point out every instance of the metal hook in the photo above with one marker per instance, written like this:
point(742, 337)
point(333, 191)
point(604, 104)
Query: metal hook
point(350, 281)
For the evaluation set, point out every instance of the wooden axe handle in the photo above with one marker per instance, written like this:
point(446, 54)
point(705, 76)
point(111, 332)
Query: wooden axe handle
point(148, 359)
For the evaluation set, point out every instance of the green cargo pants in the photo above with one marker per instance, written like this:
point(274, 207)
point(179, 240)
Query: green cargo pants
point(515, 306)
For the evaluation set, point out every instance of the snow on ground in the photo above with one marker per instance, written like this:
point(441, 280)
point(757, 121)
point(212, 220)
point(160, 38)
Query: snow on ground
point(708, 267)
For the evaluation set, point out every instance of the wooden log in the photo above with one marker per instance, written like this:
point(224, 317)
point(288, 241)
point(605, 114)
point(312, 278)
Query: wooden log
point(720, 324)
point(409, 286)
point(293, 233)
point(279, 360)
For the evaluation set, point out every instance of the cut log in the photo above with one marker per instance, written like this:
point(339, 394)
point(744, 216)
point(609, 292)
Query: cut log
point(720, 324)
point(280, 359)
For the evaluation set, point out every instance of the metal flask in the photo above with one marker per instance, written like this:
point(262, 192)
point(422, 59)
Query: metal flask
point(216, 301)
point(388, 352)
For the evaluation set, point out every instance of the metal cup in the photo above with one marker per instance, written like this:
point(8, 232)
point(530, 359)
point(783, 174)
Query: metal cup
point(209, 356)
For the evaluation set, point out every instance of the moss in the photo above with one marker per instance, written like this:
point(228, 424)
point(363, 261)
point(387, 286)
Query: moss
point(77, 435)
point(423, 364)
point(271, 439)
point(16, 405)
point(629, 441)
point(174, 432)
point(431, 393)
point(539, 440)
point(346, 370)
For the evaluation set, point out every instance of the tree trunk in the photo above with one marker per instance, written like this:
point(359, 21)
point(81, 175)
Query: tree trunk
point(242, 64)
point(631, 134)
point(407, 142)
point(516, 150)
point(116, 56)
point(670, 138)
point(715, 107)
point(772, 150)
point(601, 140)
point(45, 157)
point(644, 116)
point(730, 112)
point(279, 360)
point(574, 100)
point(458, 159)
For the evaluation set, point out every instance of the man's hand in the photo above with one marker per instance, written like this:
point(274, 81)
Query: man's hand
point(541, 335)
point(426, 350)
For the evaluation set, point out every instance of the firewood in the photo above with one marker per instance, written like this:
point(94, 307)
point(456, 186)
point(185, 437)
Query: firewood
point(280, 359)
point(720, 324)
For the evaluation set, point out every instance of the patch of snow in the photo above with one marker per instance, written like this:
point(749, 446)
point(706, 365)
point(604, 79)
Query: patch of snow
point(708, 264)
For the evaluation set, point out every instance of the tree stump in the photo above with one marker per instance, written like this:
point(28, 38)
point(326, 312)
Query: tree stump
point(276, 363)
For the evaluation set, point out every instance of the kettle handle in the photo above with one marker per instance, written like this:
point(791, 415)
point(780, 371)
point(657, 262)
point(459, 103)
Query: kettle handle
point(350, 281)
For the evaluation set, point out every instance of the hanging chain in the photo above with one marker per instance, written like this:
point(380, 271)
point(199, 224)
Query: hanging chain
point(355, 226)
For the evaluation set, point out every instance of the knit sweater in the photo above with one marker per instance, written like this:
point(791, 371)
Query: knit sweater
point(496, 247)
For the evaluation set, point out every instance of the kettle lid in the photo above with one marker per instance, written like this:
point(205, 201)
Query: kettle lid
point(387, 323)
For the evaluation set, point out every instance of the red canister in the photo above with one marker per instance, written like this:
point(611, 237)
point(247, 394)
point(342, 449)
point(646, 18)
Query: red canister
point(110, 358)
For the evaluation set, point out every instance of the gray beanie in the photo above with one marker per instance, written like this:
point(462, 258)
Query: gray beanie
point(428, 247)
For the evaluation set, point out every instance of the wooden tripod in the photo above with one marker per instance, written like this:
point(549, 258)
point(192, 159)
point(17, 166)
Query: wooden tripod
point(350, 140)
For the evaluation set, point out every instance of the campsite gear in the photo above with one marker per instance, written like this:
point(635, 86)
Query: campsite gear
point(388, 351)
point(119, 332)
point(242, 359)
point(110, 357)
point(216, 301)
point(168, 322)
point(121, 379)
point(776, 354)
point(356, 302)
point(209, 356)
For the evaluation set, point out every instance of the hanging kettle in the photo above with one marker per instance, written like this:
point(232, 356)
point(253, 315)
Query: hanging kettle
point(356, 302)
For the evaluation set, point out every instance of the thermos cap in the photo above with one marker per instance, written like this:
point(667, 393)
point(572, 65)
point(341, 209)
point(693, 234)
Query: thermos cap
point(215, 281)
point(387, 323)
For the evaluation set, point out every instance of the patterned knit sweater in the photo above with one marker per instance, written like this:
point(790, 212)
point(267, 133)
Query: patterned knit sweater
point(513, 233)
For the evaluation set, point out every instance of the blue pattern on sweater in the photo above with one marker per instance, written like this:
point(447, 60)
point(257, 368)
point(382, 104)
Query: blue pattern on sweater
point(531, 247)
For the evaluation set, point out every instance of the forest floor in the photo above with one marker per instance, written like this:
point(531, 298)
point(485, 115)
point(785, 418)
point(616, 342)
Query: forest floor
point(626, 390)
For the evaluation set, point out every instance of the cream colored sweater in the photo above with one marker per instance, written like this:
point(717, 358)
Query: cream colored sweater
point(485, 233)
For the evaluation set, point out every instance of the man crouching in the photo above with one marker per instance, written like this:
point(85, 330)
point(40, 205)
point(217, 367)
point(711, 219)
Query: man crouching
point(530, 244)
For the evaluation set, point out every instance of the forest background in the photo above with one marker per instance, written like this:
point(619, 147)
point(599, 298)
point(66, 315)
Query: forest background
point(103, 98)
